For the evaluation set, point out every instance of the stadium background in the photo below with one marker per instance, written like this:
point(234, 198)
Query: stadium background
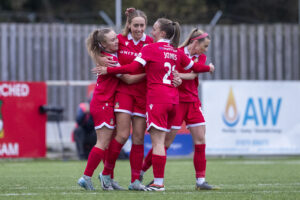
point(255, 47)
point(44, 41)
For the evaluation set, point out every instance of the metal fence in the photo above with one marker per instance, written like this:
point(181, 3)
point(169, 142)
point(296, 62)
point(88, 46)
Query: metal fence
point(56, 52)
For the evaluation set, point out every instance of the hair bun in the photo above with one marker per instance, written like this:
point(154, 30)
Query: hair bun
point(129, 10)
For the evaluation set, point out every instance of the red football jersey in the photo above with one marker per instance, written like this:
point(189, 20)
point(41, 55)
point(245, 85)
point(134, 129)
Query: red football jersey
point(128, 50)
point(160, 60)
point(106, 85)
point(188, 90)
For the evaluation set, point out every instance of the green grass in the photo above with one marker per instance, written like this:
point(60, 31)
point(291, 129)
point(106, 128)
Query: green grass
point(269, 178)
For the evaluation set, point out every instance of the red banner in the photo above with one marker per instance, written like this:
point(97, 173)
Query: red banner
point(22, 127)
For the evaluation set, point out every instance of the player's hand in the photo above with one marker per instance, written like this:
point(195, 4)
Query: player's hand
point(106, 61)
point(99, 70)
point(211, 68)
point(176, 79)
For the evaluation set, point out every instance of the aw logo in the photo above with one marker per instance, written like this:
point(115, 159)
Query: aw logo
point(231, 116)
point(258, 111)
point(1, 122)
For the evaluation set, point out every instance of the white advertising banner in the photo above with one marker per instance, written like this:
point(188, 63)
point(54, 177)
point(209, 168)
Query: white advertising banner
point(252, 117)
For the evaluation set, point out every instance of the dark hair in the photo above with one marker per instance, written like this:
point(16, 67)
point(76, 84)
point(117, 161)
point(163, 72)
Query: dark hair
point(132, 13)
point(172, 30)
point(193, 34)
point(95, 41)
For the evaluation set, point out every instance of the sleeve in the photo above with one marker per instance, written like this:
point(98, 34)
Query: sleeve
point(144, 56)
point(202, 59)
point(125, 69)
point(187, 64)
point(198, 68)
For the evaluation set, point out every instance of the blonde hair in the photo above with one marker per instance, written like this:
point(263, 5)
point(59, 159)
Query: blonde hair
point(172, 30)
point(193, 34)
point(95, 41)
point(130, 15)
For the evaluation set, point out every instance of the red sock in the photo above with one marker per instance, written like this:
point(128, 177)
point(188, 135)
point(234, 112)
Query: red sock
point(159, 163)
point(105, 156)
point(136, 161)
point(95, 157)
point(147, 161)
point(199, 160)
point(104, 161)
point(113, 154)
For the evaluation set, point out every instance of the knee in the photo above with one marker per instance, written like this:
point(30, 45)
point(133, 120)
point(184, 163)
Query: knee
point(122, 137)
point(200, 140)
point(137, 138)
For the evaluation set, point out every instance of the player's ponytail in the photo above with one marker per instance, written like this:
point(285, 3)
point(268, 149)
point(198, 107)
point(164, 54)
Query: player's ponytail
point(95, 41)
point(176, 36)
point(195, 34)
point(172, 30)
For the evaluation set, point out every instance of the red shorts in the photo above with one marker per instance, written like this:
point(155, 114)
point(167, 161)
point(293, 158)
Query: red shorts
point(103, 114)
point(191, 113)
point(133, 105)
point(161, 116)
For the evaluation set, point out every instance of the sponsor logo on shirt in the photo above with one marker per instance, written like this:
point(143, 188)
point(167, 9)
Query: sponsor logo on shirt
point(167, 48)
point(131, 53)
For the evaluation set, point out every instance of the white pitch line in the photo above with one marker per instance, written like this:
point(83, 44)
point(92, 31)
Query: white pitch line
point(18, 194)
point(167, 192)
point(263, 162)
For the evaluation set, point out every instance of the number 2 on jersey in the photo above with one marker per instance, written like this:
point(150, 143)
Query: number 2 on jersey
point(166, 76)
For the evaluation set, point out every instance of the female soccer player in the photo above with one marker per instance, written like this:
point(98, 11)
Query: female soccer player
point(102, 41)
point(160, 60)
point(190, 107)
point(101, 106)
point(130, 101)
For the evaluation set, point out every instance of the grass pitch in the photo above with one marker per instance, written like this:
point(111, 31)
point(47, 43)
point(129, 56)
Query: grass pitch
point(238, 179)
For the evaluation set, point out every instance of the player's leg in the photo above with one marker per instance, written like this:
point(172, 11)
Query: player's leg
point(96, 155)
point(104, 121)
point(138, 133)
point(159, 159)
point(196, 124)
point(176, 125)
point(137, 152)
point(123, 111)
point(158, 124)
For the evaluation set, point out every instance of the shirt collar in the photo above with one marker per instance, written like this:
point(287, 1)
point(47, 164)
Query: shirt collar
point(186, 51)
point(111, 54)
point(164, 40)
point(129, 37)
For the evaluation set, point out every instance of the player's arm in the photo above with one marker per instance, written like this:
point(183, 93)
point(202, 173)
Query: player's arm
point(188, 76)
point(187, 63)
point(200, 68)
point(124, 69)
point(130, 79)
